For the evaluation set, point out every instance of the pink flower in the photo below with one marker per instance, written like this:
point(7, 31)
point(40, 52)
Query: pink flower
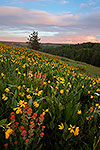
point(24, 133)
point(6, 144)
point(43, 127)
point(26, 140)
point(21, 128)
point(29, 111)
point(34, 116)
point(42, 134)
point(12, 114)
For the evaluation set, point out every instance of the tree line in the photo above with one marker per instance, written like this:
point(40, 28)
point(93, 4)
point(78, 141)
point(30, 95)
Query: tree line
point(85, 52)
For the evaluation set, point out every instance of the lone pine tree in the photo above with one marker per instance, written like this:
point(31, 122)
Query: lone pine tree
point(33, 41)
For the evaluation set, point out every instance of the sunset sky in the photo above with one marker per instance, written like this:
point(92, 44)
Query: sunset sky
point(57, 21)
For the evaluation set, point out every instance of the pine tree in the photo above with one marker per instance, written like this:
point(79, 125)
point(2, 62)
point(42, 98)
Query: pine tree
point(33, 41)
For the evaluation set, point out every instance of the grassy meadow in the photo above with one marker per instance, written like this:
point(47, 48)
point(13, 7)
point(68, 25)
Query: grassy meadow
point(47, 102)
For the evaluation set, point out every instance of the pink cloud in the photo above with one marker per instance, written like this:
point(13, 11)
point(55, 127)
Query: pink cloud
point(70, 28)
point(70, 39)
point(31, 17)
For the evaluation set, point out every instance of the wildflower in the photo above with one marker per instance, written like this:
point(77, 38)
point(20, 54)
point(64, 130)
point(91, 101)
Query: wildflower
point(36, 104)
point(71, 128)
point(15, 142)
point(12, 117)
point(29, 111)
point(61, 127)
point(42, 134)
point(28, 96)
point(6, 144)
point(76, 132)
point(88, 92)
point(34, 116)
point(43, 127)
point(19, 87)
point(91, 97)
point(24, 133)
point(23, 94)
point(49, 81)
point(28, 90)
point(2, 74)
point(39, 93)
point(18, 110)
point(41, 117)
point(8, 133)
point(7, 90)
point(26, 141)
point(82, 86)
point(4, 97)
point(79, 112)
point(19, 72)
point(91, 109)
point(47, 110)
point(61, 91)
point(24, 86)
point(57, 87)
point(21, 128)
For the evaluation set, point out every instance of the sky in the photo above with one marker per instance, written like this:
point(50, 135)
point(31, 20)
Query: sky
point(57, 21)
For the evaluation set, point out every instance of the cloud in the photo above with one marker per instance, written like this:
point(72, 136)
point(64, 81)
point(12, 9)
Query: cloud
point(21, 16)
point(65, 27)
point(88, 4)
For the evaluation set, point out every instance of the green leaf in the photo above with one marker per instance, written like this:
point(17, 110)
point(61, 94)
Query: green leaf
point(30, 101)
point(68, 111)
point(52, 124)
point(3, 121)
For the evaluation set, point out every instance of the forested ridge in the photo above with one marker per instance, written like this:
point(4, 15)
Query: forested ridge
point(85, 52)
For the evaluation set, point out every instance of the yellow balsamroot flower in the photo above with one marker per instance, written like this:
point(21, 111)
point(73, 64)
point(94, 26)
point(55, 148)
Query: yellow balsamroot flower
point(47, 110)
point(44, 83)
point(36, 104)
point(19, 72)
point(88, 92)
point(21, 103)
point(91, 96)
point(83, 87)
point(96, 104)
point(76, 132)
point(18, 110)
point(44, 111)
point(71, 129)
point(61, 127)
point(2, 74)
point(24, 74)
point(39, 93)
point(57, 87)
point(8, 133)
point(7, 90)
point(79, 112)
point(23, 94)
point(98, 90)
point(28, 96)
point(24, 86)
point(49, 81)
point(4, 97)
point(61, 91)
point(19, 87)
point(28, 90)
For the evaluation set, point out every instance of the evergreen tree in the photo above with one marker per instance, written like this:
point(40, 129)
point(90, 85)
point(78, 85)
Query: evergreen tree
point(33, 41)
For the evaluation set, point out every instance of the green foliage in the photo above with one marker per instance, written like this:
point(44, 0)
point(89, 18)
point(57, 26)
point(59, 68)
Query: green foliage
point(85, 52)
point(33, 41)
point(55, 88)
